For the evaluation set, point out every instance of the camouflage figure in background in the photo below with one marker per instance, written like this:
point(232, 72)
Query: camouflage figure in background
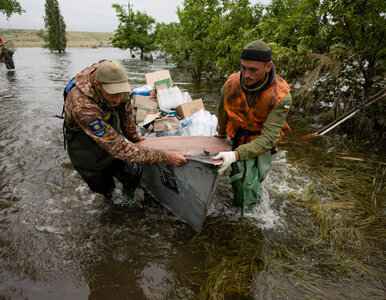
point(6, 55)
point(100, 131)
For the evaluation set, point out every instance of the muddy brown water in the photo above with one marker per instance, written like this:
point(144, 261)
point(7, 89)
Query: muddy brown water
point(59, 241)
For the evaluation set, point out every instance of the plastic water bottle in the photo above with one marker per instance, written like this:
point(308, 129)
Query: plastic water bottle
point(162, 98)
point(177, 96)
point(171, 98)
point(186, 97)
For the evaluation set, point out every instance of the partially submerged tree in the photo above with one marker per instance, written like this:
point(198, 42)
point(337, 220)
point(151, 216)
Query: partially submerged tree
point(134, 31)
point(335, 51)
point(55, 35)
point(10, 7)
point(209, 36)
point(332, 52)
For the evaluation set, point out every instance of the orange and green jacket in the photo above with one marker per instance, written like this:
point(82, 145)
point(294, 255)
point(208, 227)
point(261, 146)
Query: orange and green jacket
point(261, 110)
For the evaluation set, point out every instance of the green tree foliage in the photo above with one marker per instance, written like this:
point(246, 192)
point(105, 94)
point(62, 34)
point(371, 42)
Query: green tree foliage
point(10, 7)
point(232, 30)
point(55, 35)
point(134, 31)
point(335, 49)
point(208, 36)
point(331, 51)
point(198, 47)
point(172, 46)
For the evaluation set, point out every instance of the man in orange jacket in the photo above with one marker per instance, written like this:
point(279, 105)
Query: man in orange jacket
point(252, 112)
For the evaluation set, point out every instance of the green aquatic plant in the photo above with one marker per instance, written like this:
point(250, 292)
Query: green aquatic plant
point(331, 244)
point(232, 259)
point(379, 186)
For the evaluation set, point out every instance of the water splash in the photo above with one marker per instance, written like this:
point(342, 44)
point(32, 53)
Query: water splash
point(283, 179)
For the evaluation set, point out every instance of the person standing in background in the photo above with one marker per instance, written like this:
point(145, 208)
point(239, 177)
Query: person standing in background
point(7, 54)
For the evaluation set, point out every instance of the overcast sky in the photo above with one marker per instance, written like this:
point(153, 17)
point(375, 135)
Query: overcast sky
point(92, 15)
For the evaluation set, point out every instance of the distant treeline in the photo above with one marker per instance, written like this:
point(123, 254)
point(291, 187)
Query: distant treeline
point(29, 38)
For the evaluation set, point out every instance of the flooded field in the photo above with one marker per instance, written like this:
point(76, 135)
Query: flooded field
point(318, 233)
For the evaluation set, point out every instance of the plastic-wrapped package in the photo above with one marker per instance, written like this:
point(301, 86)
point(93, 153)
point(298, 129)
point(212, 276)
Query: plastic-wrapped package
point(171, 98)
point(201, 123)
point(142, 90)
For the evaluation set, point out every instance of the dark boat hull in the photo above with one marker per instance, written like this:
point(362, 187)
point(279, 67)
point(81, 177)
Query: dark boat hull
point(188, 190)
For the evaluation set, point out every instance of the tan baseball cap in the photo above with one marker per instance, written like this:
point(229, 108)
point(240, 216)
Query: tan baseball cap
point(113, 78)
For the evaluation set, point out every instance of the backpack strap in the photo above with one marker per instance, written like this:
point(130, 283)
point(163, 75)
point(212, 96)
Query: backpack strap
point(247, 134)
point(66, 90)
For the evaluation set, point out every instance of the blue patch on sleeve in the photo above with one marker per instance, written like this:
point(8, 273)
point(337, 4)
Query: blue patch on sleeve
point(97, 127)
point(286, 105)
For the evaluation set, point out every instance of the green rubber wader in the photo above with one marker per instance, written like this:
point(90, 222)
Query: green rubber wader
point(246, 177)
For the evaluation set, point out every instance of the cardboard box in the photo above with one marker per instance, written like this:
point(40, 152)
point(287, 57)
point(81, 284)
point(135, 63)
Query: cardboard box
point(150, 119)
point(142, 112)
point(188, 109)
point(166, 123)
point(151, 78)
point(163, 84)
point(145, 101)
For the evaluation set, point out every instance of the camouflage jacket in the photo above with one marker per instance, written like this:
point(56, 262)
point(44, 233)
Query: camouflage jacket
point(6, 53)
point(83, 106)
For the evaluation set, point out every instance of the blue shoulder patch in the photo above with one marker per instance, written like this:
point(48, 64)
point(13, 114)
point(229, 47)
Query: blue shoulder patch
point(286, 105)
point(97, 127)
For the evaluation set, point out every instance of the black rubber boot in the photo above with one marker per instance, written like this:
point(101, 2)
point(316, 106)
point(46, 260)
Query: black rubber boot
point(109, 197)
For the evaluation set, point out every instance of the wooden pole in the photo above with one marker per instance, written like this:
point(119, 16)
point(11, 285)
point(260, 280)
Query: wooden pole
point(351, 112)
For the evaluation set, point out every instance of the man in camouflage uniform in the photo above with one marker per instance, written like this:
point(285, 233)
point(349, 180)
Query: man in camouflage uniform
point(100, 131)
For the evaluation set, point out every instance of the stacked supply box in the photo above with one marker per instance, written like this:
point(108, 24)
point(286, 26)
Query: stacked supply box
point(168, 107)
point(162, 77)
point(144, 105)
point(186, 110)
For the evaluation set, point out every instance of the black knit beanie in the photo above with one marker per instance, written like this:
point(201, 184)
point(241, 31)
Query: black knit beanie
point(257, 50)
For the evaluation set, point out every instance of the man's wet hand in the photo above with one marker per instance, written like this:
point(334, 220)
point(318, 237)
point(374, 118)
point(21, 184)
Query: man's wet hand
point(176, 158)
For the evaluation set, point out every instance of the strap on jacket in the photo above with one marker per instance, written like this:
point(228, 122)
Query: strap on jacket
point(247, 134)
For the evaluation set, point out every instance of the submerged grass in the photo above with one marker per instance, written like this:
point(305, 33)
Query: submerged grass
point(332, 246)
point(339, 253)
point(232, 260)
point(347, 204)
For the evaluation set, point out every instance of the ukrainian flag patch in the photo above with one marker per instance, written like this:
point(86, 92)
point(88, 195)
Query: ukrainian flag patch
point(97, 127)
point(287, 105)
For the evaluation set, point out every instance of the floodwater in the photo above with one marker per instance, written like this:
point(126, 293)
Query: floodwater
point(59, 241)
